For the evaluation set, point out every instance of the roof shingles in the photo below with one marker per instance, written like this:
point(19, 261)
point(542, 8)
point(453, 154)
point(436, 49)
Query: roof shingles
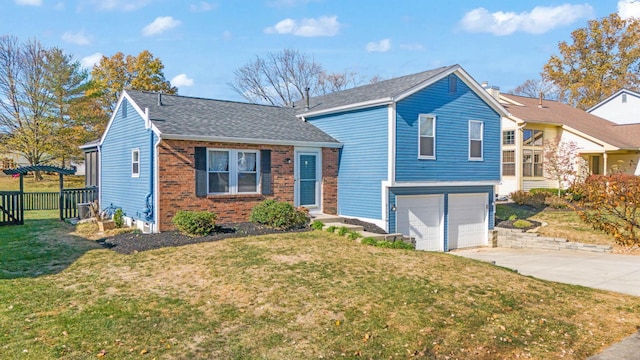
point(185, 117)
point(554, 112)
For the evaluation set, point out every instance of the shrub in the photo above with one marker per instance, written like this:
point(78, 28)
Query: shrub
point(556, 202)
point(535, 200)
point(369, 241)
point(278, 215)
point(611, 204)
point(118, 218)
point(331, 229)
point(547, 191)
point(317, 225)
point(342, 231)
point(195, 223)
point(522, 224)
point(354, 235)
point(513, 217)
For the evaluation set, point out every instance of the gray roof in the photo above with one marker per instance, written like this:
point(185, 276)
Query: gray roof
point(381, 90)
point(190, 117)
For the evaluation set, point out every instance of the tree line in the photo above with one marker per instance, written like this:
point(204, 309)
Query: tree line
point(50, 104)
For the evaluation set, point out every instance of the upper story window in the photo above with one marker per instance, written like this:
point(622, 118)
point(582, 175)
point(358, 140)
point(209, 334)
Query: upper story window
point(233, 171)
point(475, 139)
point(532, 137)
point(135, 162)
point(508, 162)
point(509, 137)
point(453, 84)
point(427, 137)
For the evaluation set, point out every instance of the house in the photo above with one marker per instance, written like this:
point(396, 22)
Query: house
point(604, 146)
point(418, 154)
point(623, 107)
point(163, 153)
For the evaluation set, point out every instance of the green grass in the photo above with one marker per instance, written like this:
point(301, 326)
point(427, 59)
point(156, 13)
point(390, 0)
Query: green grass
point(49, 183)
point(293, 296)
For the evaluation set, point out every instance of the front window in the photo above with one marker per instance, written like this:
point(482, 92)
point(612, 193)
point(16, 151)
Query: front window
point(233, 171)
point(135, 163)
point(475, 140)
point(509, 162)
point(427, 140)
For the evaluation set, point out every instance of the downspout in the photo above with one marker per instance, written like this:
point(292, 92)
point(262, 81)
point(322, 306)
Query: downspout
point(156, 189)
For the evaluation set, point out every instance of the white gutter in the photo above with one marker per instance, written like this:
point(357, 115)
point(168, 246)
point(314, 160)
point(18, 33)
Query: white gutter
point(250, 141)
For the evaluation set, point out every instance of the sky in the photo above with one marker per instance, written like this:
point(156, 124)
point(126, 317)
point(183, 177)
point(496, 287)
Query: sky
point(201, 43)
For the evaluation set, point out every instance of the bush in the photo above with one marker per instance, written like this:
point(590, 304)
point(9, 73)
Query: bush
point(556, 202)
point(195, 223)
point(278, 215)
point(369, 241)
point(354, 235)
point(118, 218)
point(331, 229)
point(317, 225)
point(535, 200)
point(547, 191)
point(522, 224)
point(342, 231)
point(398, 244)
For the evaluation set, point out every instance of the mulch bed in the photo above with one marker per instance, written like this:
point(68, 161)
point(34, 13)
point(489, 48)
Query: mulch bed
point(129, 243)
point(367, 226)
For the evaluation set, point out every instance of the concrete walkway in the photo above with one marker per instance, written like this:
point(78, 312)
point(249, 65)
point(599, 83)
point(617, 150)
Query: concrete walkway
point(613, 272)
point(620, 273)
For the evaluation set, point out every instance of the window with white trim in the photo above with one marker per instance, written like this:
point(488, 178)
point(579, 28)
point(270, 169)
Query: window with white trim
point(508, 162)
point(233, 171)
point(427, 137)
point(135, 163)
point(532, 153)
point(509, 137)
point(475, 139)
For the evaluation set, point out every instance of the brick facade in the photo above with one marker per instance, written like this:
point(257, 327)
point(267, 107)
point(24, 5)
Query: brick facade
point(177, 181)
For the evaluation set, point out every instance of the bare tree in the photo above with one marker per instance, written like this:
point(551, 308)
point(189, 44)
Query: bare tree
point(281, 78)
point(23, 115)
point(541, 87)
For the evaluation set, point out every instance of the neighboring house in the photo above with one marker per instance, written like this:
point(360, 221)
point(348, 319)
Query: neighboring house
point(604, 146)
point(623, 107)
point(420, 156)
point(163, 153)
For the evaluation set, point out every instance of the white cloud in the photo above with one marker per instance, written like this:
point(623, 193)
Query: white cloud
point(160, 25)
point(88, 62)
point(539, 20)
point(202, 6)
point(76, 38)
point(124, 5)
point(381, 46)
point(29, 2)
point(181, 81)
point(629, 9)
point(322, 26)
point(412, 47)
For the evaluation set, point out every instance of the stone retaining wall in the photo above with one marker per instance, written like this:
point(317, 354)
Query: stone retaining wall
point(518, 239)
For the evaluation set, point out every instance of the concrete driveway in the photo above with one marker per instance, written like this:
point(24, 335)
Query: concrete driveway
point(620, 273)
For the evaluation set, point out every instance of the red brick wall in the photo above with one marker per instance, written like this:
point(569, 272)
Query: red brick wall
point(330, 181)
point(177, 181)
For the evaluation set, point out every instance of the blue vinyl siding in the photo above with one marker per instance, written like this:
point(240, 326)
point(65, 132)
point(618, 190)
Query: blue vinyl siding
point(453, 112)
point(446, 190)
point(118, 187)
point(363, 158)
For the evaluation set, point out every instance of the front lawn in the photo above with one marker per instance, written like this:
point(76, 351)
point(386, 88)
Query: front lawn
point(294, 296)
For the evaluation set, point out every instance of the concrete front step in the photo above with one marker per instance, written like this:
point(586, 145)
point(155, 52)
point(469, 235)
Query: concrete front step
point(325, 218)
point(338, 225)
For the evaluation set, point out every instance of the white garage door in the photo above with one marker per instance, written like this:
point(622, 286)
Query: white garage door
point(421, 217)
point(468, 225)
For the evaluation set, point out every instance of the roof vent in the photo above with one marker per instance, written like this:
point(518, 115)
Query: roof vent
point(159, 99)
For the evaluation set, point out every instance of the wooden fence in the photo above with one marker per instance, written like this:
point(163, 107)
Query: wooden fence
point(11, 211)
point(41, 200)
point(72, 197)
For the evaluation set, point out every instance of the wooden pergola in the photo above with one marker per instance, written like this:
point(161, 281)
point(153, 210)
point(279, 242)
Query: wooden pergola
point(24, 170)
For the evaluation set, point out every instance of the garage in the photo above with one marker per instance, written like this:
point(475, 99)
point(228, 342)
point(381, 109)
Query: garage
point(421, 217)
point(468, 225)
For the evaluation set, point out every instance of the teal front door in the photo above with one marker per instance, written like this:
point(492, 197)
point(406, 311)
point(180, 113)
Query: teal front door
point(307, 180)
